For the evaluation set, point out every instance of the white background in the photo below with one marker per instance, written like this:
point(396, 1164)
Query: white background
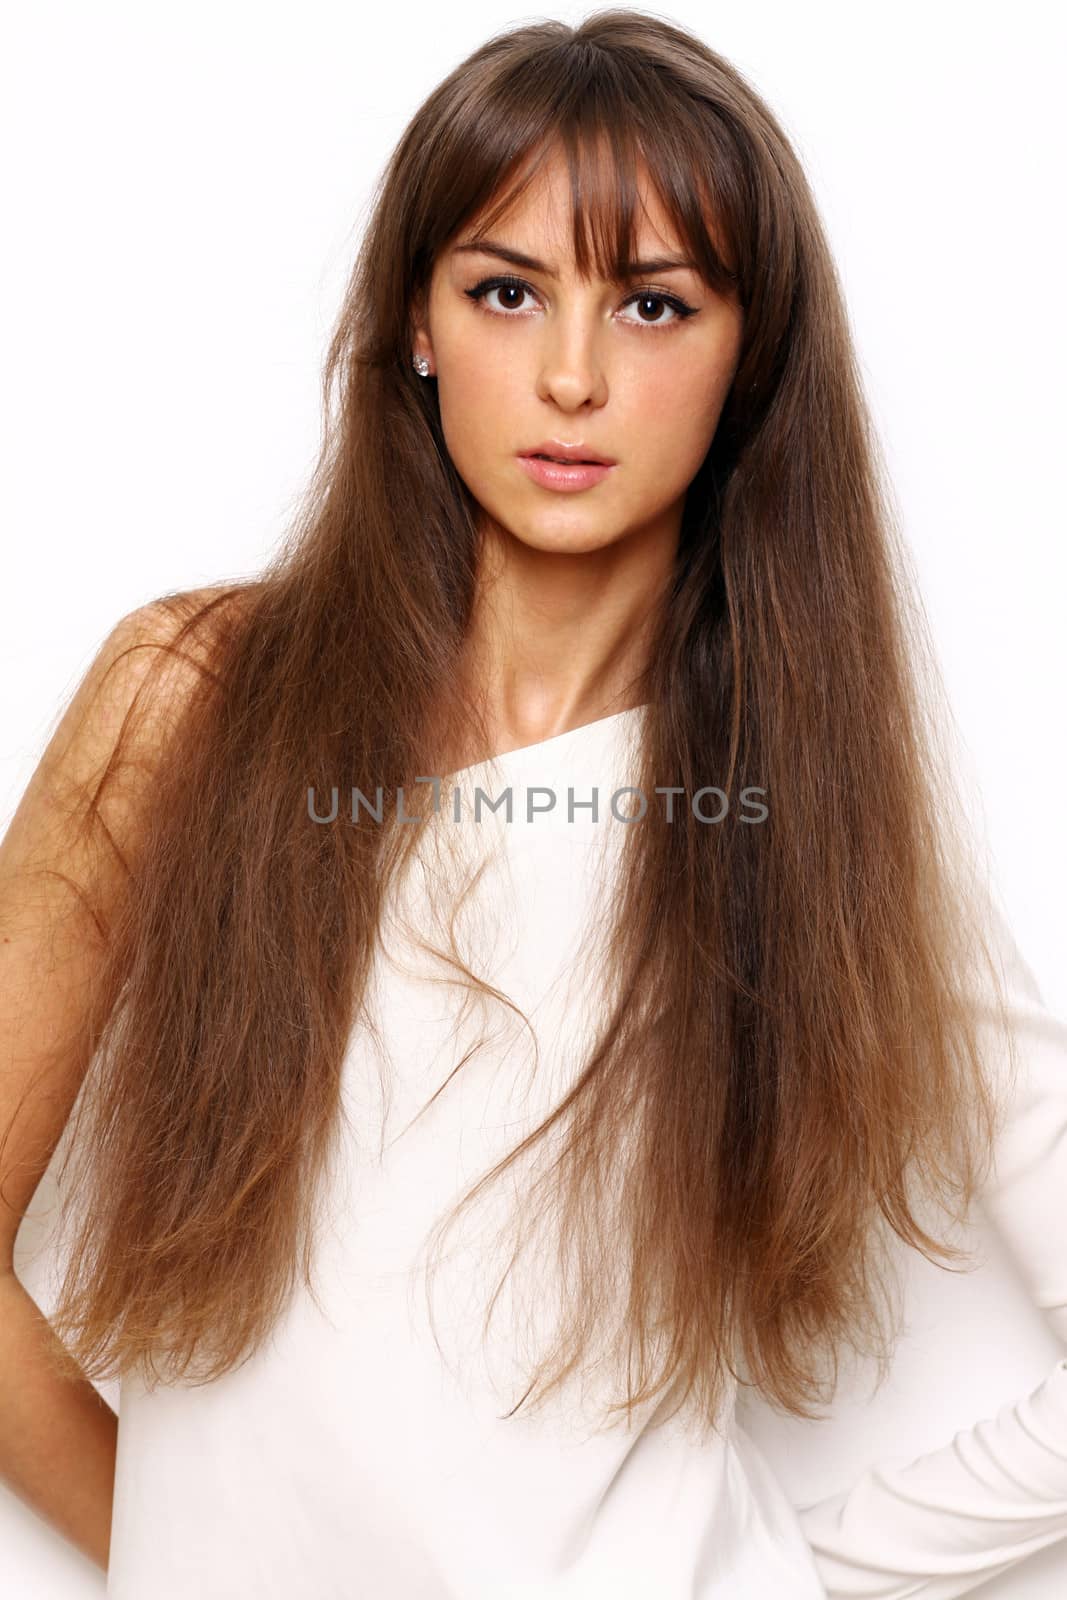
point(184, 190)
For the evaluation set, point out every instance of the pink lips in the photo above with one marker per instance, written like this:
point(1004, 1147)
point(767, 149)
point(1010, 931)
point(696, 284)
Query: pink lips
point(553, 475)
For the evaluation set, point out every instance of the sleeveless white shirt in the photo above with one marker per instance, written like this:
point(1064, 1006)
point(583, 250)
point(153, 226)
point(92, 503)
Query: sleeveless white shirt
point(364, 1451)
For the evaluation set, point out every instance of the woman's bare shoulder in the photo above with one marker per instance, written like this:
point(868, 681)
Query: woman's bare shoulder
point(151, 658)
point(114, 726)
point(64, 861)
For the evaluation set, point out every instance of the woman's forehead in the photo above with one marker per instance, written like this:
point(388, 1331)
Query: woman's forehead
point(537, 212)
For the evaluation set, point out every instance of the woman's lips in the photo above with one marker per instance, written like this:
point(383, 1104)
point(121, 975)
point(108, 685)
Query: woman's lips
point(564, 475)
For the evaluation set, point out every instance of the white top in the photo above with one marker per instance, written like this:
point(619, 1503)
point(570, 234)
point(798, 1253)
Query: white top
point(354, 1457)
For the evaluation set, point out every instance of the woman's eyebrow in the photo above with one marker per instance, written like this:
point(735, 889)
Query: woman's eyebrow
point(517, 258)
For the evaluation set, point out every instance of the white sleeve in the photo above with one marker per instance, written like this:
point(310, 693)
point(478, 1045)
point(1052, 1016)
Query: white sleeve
point(942, 1523)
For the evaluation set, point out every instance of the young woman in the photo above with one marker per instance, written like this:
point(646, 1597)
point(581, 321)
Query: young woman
point(438, 1174)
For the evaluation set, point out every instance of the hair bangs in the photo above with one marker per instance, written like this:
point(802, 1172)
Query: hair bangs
point(612, 127)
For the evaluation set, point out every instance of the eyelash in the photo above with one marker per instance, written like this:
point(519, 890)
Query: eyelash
point(679, 306)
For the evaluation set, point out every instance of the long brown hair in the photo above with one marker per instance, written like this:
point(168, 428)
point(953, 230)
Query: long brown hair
point(793, 1052)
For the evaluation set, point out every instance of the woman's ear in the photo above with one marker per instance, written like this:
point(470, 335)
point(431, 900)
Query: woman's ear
point(421, 343)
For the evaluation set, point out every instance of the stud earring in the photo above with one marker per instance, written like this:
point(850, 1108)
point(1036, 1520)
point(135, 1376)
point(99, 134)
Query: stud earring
point(421, 365)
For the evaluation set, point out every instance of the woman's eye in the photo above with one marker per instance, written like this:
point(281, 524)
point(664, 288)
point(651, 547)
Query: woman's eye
point(512, 296)
point(511, 290)
point(650, 305)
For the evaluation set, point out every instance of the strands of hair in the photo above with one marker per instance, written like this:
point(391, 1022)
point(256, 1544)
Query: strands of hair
point(789, 1058)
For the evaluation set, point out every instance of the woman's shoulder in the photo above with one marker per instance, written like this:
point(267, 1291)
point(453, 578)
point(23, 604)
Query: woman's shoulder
point(166, 644)
point(113, 728)
point(194, 619)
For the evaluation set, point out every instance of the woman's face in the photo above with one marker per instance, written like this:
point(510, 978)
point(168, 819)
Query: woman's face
point(622, 370)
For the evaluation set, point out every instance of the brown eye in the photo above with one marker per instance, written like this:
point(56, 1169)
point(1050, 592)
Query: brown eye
point(646, 299)
point(650, 302)
point(512, 289)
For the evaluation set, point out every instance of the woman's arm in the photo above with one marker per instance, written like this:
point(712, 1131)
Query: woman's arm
point(58, 1436)
point(938, 1525)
